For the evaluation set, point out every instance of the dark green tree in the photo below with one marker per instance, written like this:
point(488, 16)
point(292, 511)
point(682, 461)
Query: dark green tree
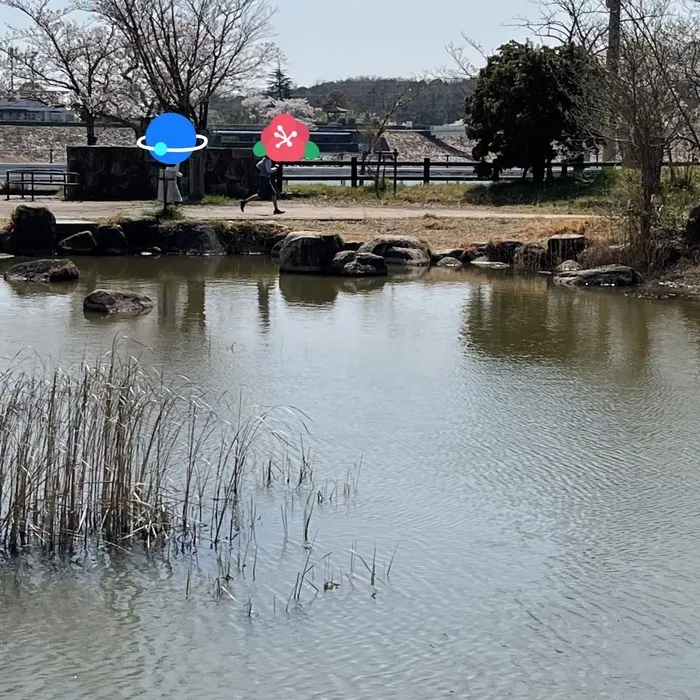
point(530, 104)
point(334, 99)
point(279, 85)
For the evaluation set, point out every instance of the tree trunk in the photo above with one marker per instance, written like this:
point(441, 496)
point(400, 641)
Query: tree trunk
point(651, 161)
point(91, 137)
point(538, 172)
point(550, 174)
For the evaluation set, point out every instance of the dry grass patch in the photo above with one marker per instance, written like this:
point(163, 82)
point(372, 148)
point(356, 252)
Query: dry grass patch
point(448, 232)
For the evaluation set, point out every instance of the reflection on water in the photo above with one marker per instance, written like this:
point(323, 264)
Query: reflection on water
point(531, 450)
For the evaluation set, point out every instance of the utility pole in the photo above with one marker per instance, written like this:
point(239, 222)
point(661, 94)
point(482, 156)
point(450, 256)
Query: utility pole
point(612, 61)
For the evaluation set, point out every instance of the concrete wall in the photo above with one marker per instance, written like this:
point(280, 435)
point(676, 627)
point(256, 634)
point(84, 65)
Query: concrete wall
point(128, 172)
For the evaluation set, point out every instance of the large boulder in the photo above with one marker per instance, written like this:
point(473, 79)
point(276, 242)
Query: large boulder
point(352, 245)
point(110, 240)
point(502, 251)
point(349, 263)
point(565, 246)
point(309, 251)
point(142, 233)
point(109, 301)
point(531, 256)
point(398, 250)
point(82, 243)
point(32, 231)
point(192, 238)
point(606, 276)
point(54, 270)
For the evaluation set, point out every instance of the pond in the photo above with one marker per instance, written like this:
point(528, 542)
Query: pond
point(529, 458)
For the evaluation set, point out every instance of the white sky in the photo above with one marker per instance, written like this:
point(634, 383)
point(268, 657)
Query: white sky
point(325, 40)
point(331, 39)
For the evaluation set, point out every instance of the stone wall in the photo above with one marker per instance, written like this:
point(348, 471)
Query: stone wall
point(124, 173)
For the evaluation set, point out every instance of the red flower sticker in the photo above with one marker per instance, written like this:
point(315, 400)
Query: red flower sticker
point(285, 138)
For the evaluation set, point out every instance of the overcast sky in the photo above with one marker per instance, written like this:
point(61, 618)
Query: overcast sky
point(331, 39)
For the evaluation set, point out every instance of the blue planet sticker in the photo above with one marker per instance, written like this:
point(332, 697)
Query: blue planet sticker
point(171, 139)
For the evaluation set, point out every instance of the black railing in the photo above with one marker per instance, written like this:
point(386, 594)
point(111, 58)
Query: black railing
point(27, 180)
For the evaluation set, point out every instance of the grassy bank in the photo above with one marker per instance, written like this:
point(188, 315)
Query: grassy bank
point(587, 193)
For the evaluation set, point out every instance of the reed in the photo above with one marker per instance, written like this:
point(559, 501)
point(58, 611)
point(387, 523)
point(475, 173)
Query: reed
point(111, 454)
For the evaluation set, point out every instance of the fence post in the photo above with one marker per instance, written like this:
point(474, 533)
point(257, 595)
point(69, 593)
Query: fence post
point(353, 171)
point(426, 171)
point(7, 184)
point(396, 168)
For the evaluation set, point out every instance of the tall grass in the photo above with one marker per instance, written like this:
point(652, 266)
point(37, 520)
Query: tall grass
point(111, 454)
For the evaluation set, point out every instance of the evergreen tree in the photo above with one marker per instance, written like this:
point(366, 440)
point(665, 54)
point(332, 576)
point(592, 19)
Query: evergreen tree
point(528, 106)
point(279, 86)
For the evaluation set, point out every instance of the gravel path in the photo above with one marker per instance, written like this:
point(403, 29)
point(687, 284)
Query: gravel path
point(293, 210)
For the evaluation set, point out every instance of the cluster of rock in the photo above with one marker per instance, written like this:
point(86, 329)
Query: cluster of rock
point(327, 253)
point(318, 253)
point(61, 270)
point(33, 232)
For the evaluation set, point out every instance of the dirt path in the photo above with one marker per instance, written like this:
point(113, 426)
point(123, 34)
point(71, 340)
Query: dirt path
point(87, 211)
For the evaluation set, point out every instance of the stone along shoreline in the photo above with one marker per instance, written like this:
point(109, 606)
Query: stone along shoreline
point(34, 232)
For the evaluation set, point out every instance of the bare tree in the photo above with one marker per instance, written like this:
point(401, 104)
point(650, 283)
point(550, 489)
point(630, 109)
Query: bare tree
point(387, 105)
point(61, 52)
point(192, 50)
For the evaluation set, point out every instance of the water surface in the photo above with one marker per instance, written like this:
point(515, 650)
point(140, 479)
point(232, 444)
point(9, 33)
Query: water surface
point(532, 451)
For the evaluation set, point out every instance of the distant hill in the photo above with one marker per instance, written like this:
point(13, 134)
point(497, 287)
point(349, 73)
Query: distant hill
point(441, 103)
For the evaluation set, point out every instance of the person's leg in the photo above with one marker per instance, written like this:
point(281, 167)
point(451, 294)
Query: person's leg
point(273, 195)
point(243, 202)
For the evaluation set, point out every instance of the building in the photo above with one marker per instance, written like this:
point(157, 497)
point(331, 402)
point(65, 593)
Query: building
point(33, 111)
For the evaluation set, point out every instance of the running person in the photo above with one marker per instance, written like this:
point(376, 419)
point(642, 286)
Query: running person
point(266, 188)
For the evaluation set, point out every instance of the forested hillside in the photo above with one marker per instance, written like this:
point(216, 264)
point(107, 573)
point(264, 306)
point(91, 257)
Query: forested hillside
point(439, 103)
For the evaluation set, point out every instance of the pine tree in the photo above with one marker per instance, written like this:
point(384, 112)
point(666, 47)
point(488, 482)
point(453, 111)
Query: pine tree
point(279, 86)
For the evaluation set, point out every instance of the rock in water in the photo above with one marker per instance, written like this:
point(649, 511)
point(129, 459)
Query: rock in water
point(502, 251)
point(493, 265)
point(109, 301)
point(110, 240)
point(54, 270)
point(309, 251)
point(567, 266)
point(350, 263)
point(449, 261)
point(437, 256)
point(606, 276)
point(398, 250)
point(530, 256)
point(275, 252)
point(192, 238)
point(82, 243)
point(32, 231)
point(565, 246)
